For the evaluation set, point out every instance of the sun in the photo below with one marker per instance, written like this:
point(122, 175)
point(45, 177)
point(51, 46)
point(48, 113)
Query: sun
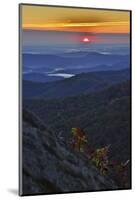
point(85, 39)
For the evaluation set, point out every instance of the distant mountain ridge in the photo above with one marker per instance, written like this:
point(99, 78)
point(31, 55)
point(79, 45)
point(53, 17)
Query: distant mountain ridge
point(72, 59)
point(80, 84)
point(40, 77)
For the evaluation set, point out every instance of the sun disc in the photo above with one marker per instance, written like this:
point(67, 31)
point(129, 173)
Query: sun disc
point(85, 40)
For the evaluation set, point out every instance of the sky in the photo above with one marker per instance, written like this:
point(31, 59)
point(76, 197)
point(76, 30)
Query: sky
point(75, 19)
point(50, 29)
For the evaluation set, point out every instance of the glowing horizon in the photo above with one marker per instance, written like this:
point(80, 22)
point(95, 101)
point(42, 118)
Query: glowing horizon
point(68, 19)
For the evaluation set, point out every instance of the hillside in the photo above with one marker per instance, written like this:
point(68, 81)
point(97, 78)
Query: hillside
point(80, 84)
point(51, 167)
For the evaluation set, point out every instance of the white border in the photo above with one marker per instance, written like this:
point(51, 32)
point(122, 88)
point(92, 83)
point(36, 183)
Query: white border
point(9, 97)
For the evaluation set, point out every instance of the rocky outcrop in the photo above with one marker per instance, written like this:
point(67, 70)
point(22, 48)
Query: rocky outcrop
point(49, 166)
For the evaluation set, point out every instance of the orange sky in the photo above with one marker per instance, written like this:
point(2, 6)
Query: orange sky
point(75, 19)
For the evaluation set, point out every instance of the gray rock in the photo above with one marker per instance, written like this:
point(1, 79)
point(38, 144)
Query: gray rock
point(49, 166)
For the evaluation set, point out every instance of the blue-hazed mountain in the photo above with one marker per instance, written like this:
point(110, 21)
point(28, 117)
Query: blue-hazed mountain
point(111, 67)
point(84, 59)
point(80, 84)
point(40, 77)
point(47, 75)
